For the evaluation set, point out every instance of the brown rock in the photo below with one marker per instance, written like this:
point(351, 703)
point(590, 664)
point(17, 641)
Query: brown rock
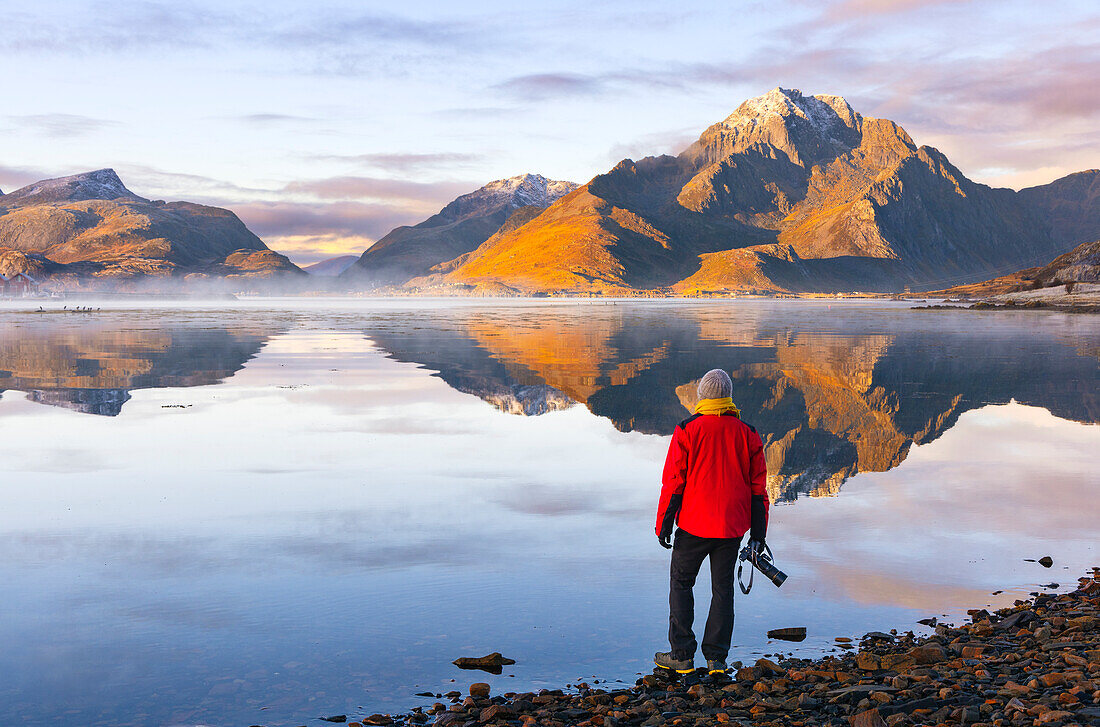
point(970, 652)
point(867, 661)
point(480, 690)
point(767, 665)
point(748, 674)
point(930, 654)
point(897, 662)
point(789, 634)
point(495, 712)
point(868, 718)
point(378, 720)
point(489, 661)
point(1053, 679)
point(1055, 715)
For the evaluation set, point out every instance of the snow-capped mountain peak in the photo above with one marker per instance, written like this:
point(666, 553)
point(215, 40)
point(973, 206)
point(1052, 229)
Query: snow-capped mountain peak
point(513, 192)
point(528, 189)
point(101, 184)
point(823, 112)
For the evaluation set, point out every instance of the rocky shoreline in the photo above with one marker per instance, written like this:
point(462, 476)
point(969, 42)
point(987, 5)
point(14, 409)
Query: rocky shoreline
point(1034, 664)
point(1012, 305)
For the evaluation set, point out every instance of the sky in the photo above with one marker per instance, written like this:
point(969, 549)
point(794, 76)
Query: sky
point(323, 125)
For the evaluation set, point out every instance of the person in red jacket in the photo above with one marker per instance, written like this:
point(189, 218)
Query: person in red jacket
point(714, 489)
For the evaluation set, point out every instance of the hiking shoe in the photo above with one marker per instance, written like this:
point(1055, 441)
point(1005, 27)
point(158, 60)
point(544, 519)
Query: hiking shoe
point(664, 660)
point(717, 666)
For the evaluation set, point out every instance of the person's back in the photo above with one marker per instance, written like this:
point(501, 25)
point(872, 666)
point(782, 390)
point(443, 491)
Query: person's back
point(714, 488)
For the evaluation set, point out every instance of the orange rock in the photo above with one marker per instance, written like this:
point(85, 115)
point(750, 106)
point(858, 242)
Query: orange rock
point(1055, 715)
point(1052, 679)
point(869, 718)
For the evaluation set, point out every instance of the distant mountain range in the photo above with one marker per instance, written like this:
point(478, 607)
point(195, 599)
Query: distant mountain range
point(332, 266)
point(90, 226)
point(790, 193)
point(465, 223)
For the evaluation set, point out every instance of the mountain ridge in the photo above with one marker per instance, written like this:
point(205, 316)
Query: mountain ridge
point(789, 193)
point(90, 226)
point(459, 227)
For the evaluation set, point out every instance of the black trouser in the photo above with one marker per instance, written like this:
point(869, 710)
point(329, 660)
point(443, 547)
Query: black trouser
point(688, 553)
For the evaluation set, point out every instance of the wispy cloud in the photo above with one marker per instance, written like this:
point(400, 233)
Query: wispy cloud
point(406, 163)
point(60, 125)
point(12, 178)
point(270, 119)
point(848, 9)
point(314, 39)
point(379, 188)
point(540, 86)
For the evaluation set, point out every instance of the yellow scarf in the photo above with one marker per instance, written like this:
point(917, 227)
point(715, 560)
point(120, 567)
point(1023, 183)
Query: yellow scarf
point(717, 406)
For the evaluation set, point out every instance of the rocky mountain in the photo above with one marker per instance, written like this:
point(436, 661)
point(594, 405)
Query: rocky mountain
point(331, 267)
point(790, 192)
point(91, 226)
point(458, 228)
point(1079, 265)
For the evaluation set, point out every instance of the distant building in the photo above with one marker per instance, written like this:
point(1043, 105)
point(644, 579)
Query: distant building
point(19, 285)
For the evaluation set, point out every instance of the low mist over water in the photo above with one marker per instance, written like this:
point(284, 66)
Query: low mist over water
point(271, 510)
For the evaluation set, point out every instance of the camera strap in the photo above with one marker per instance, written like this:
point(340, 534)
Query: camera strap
point(744, 589)
point(740, 583)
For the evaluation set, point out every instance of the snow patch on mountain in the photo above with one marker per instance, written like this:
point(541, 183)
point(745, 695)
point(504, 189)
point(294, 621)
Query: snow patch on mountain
point(513, 193)
point(102, 184)
point(827, 114)
point(529, 189)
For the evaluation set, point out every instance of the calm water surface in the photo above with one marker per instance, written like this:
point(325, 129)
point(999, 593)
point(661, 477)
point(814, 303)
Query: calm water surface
point(275, 510)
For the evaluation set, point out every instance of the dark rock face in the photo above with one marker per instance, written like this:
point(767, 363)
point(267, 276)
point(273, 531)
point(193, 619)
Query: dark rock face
point(789, 193)
point(1070, 206)
point(93, 220)
point(407, 252)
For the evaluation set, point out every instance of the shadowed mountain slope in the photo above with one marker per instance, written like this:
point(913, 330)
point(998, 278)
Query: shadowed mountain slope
point(1079, 265)
point(458, 228)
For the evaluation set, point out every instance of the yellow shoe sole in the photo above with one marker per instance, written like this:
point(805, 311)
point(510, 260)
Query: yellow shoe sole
point(678, 671)
point(718, 671)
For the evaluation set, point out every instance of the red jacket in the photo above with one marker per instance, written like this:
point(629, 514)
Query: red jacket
point(717, 464)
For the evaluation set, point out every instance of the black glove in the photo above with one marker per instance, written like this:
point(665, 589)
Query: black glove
point(665, 536)
point(759, 520)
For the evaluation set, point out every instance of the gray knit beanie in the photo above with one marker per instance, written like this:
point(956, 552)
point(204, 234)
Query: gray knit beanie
point(715, 384)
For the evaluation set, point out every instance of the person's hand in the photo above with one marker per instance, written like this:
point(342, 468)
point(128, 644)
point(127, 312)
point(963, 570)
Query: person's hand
point(665, 539)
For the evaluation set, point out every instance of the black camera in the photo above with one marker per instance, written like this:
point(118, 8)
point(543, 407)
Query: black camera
point(760, 556)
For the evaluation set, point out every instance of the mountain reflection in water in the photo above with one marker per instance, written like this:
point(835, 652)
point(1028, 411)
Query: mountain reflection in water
point(829, 403)
point(91, 366)
point(831, 397)
point(327, 528)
